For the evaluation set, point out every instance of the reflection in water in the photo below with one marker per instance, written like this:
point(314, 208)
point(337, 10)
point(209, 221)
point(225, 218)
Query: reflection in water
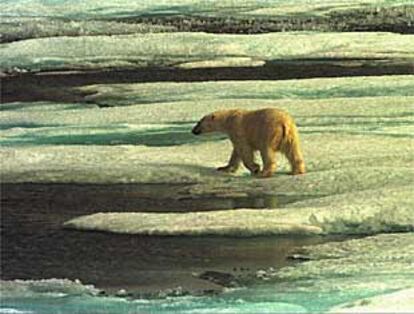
point(262, 201)
point(35, 246)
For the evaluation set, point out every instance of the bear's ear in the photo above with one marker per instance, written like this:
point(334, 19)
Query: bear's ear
point(213, 116)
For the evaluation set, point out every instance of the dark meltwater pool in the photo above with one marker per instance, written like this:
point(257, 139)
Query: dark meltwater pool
point(35, 246)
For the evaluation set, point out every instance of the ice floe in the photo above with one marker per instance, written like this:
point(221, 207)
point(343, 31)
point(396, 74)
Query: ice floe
point(372, 212)
point(44, 288)
point(339, 90)
point(171, 49)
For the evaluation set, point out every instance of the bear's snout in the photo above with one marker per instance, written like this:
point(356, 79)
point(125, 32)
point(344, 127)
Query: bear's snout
point(197, 129)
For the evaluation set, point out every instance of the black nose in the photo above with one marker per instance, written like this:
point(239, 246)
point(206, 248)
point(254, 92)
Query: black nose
point(197, 129)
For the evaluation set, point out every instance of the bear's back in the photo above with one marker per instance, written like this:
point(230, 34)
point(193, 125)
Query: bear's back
point(266, 116)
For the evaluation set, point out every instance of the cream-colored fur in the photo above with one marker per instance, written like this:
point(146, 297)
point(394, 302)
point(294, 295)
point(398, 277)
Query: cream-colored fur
point(266, 130)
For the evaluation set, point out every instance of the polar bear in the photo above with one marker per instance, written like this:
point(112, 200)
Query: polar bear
point(266, 130)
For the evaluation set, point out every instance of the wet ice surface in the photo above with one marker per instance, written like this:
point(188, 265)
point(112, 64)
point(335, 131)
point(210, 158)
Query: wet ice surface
point(373, 266)
point(144, 265)
point(123, 265)
point(358, 147)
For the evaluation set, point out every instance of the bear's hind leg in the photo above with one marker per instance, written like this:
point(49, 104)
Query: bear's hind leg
point(234, 163)
point(294, 155)
point(298, 168)
point(269, 162)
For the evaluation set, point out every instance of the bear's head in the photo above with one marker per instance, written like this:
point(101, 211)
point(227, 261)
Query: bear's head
point(207, 124)
point(218, 121)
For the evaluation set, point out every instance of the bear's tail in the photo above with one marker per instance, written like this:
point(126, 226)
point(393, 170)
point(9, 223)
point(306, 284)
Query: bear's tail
point(291, 148)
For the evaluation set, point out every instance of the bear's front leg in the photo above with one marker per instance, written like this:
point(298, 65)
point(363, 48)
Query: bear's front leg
point(234, 163)
point(247, 156)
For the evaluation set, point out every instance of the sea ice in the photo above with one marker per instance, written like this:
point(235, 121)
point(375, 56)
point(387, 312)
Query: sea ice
point(44, 288)
point(20, 28)
point(396, 302)
point(106, 8)
point(340, 91)
point(346, 135)
point(177, 49)
point(370, 212)
point(359, 275)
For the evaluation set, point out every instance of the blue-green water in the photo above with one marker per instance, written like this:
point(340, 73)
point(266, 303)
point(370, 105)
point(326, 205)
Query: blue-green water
point(271, 298)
